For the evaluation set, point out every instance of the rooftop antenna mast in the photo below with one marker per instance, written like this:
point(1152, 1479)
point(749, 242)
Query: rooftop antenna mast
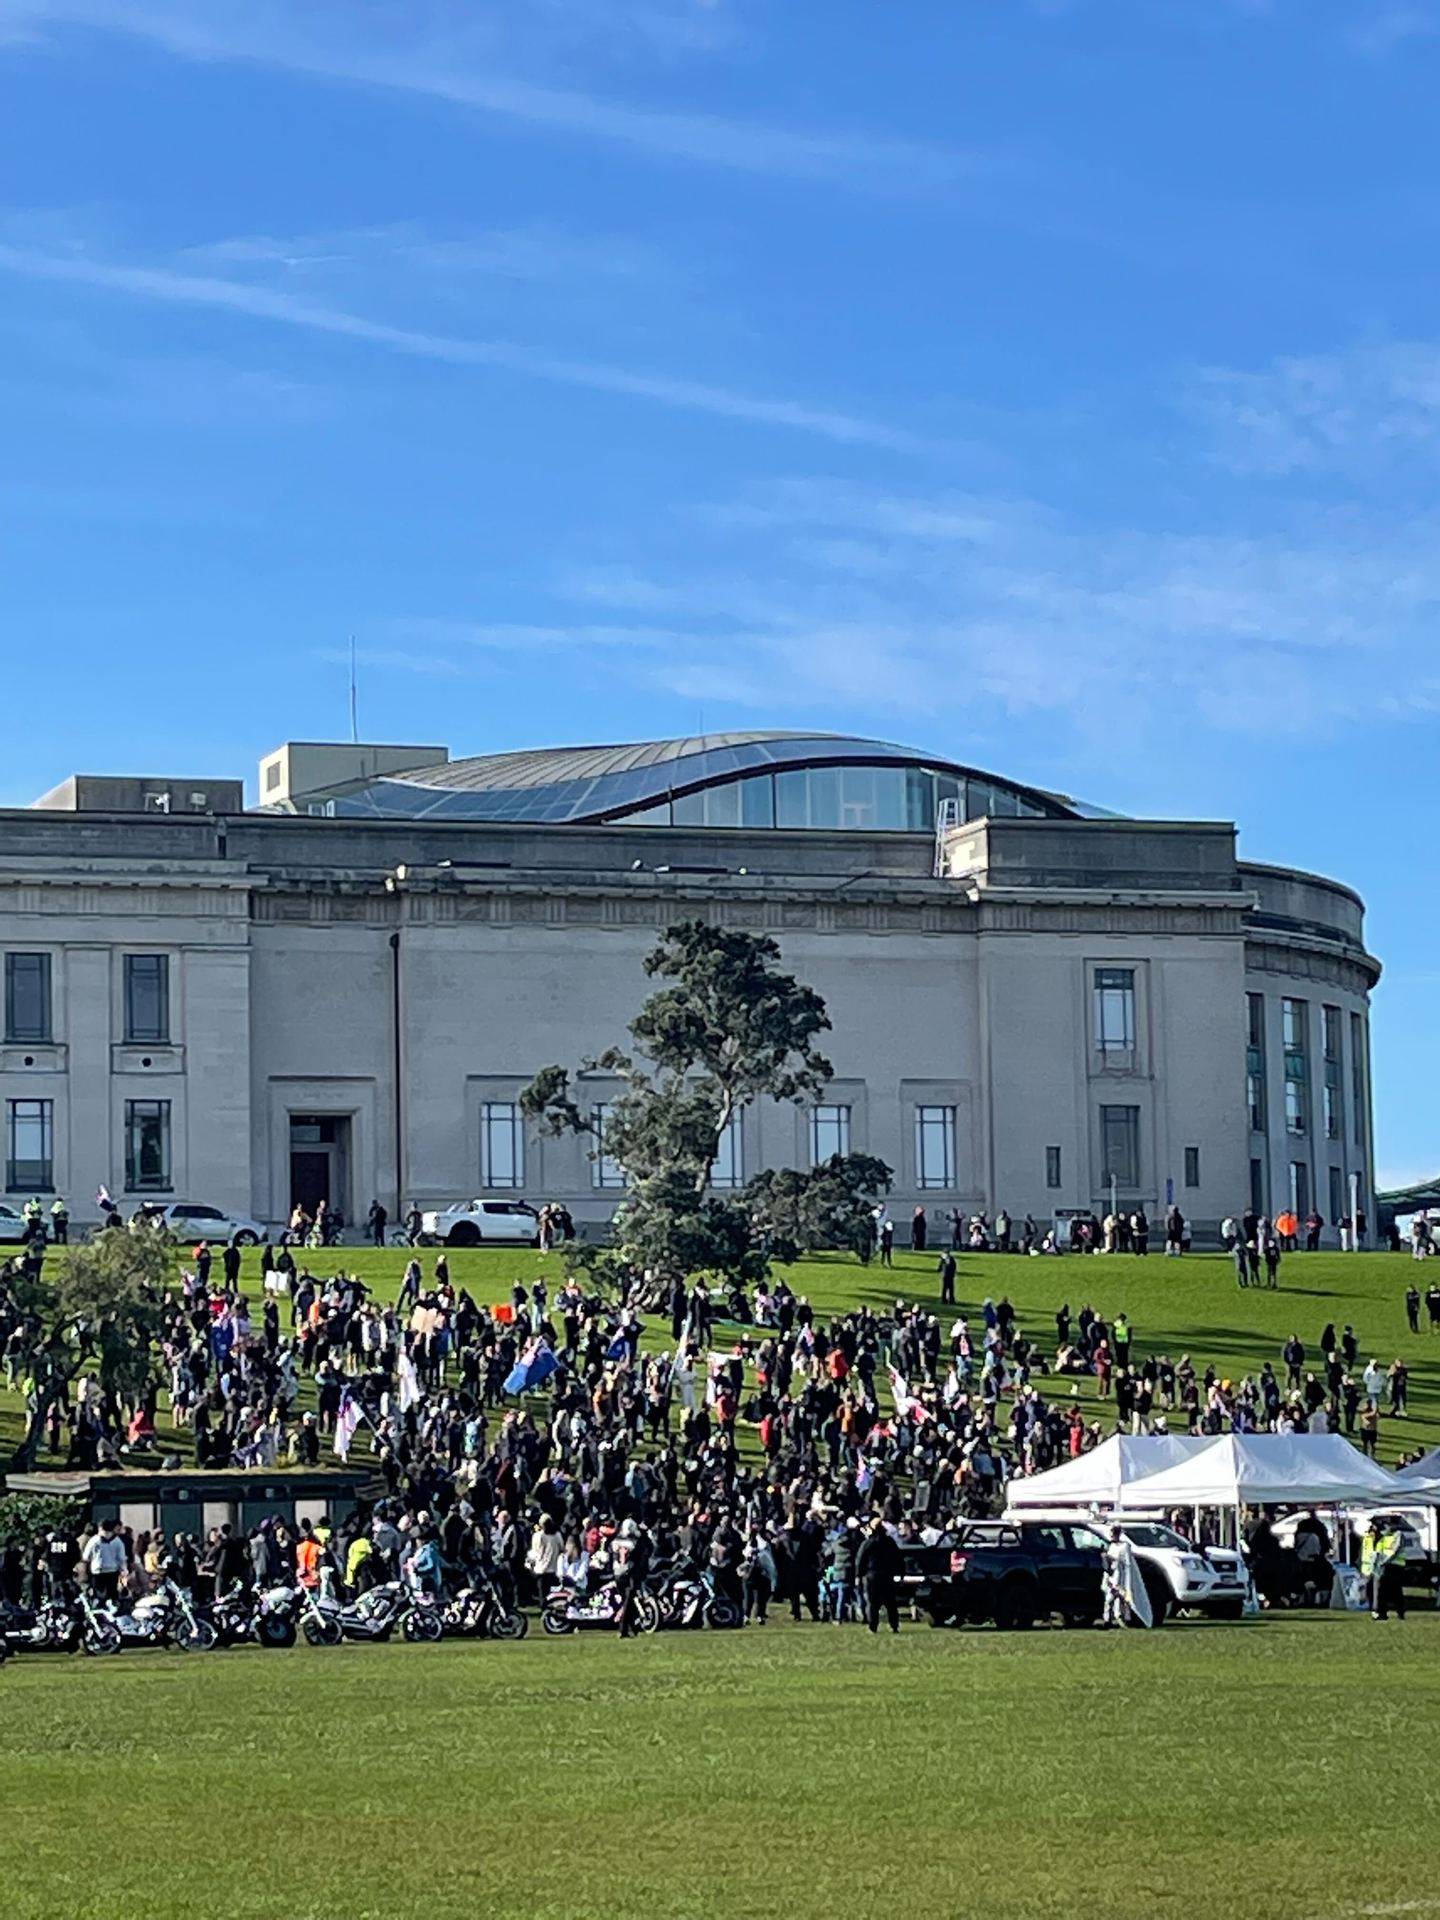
point(354, 699)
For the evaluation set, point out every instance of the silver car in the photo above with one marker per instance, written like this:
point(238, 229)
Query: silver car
point(191, 1222)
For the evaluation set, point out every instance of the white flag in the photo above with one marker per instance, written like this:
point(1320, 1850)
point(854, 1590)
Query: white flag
point(346, 1421)
point(409, 1383)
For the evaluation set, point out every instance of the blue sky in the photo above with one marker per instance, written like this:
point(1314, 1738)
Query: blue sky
point(1050, 383)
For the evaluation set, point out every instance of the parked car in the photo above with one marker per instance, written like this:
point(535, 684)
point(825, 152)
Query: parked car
point(191, 1222)
point(472, 1223)
point(12, 1226)
point(1013, 1572)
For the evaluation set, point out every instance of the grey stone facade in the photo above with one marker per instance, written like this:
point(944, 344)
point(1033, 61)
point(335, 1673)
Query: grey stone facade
point(965, 1003)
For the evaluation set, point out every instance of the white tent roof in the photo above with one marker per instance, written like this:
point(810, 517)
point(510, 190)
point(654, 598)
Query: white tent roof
point(1099, 1478)
point(1256, 1468)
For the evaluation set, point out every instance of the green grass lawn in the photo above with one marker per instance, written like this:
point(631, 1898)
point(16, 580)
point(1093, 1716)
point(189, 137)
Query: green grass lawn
point(1280, 1767)
point(1176, 1306)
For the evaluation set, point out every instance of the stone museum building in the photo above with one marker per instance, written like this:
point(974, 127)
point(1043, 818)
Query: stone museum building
point(341, 993)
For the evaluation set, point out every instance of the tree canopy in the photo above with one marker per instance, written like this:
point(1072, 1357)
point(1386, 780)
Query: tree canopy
point(729, 1027)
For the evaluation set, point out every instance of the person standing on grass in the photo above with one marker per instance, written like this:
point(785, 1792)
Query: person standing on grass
point(1412, 1308)
point(887, 1242)
point(375, 1223)
point(1399, 1379)
point(1293, 1354)
point(878, 1565)
point(760, 1574)
point(1381, 1567)
point(947, 1278)
point(105, 1561)
point(1272, 1262)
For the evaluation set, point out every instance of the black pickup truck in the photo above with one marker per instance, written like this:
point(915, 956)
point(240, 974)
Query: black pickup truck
point(1011, 1572)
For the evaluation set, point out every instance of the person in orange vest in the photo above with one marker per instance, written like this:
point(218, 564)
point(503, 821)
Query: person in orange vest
point(307, 1557)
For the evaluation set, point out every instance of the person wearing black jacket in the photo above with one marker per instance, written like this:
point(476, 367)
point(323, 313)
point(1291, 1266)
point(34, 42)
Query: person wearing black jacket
point(878, 1565)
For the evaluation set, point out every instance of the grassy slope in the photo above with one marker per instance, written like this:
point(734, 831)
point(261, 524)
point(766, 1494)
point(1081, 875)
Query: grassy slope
point(1176, 1306)
point(805, 1771)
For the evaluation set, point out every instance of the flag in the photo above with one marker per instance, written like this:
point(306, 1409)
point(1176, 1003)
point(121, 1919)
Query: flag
point(864, 1478)
point(409, 1382)
point(618, 1349)
point(907, 1407)
point(532, 1369)
point(346, 1421)
point(103, 1200)
point(1124, 1575)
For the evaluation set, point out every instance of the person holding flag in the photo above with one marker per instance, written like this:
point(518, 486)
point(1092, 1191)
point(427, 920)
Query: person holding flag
point(347, 1419)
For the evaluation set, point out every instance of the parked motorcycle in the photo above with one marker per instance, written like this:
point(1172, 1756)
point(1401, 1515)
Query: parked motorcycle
point(693, 1600)
point(165, 1618)
point(286, 1611)
point(479, 1612)
point(566, 1612)
point(52, 1627)
point(376, 1615)
point(233, 1617)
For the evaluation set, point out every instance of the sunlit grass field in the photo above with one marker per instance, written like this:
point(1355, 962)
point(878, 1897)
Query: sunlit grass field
point(1282, 1767)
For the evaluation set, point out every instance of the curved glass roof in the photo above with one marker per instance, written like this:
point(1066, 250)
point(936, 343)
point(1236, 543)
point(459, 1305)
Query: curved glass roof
point(714, 779)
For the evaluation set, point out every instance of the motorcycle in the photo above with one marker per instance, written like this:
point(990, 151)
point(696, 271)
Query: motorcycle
point(165, 1618)
point(479, 1612)
point(52, 1627)
point(233, 1617)
point(694, 1600)
point(566, 1612)
point(376, 1615)
point(286, 1611)
point(98, 1632)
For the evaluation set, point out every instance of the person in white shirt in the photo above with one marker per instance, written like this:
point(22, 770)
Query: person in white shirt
point(105, 1560)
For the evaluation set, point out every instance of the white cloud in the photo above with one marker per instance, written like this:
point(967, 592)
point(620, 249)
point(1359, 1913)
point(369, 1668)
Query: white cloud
point(810, 599)
point(1310, 413)
point(448, 51)
point(279, 306)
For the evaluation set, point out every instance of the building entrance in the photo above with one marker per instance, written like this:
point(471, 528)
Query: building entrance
point(320, 1161)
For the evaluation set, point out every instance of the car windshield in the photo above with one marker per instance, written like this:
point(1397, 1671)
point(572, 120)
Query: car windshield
point(1145, 1533)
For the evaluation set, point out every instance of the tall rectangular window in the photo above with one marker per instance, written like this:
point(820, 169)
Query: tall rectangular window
point(1299, 1188)
point(1357, 1077)
point(1120, 1146)
point(934, 1146)
point(29, 1146)
point(1333, 1089)
point(1294, 1015)
point(1257, 1185)
point(729, 1167)
point(1338, 1208)
point(829, 1133)
point(1192, 1166)
point(502, 1146)
point(27, 997)
point(1052, 1167)
point(147, 1146)
point(147, 998)
point(1255, 1061)
point(604, 1171)
point(1115, 1009)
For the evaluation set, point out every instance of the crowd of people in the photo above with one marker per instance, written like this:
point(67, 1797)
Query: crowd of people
point(538, 1440)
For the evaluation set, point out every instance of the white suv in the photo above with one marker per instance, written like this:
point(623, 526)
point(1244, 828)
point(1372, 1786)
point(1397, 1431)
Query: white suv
point(473, 1223)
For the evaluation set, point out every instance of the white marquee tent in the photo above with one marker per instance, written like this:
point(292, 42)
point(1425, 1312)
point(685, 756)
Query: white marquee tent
point(1100, 1478)
point(1255, 1469)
